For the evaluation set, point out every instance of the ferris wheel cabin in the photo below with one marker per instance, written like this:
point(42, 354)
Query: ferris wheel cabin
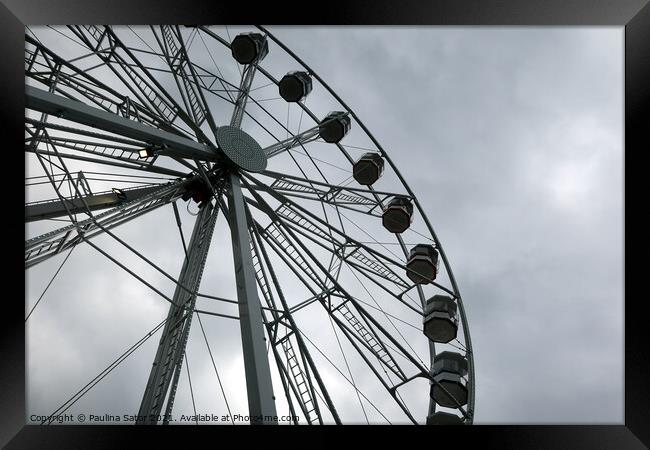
point(334, 127)
point(422, 264)
point(295, 86)
point(443, 418)
point(397, 215)
point(450, 372)
point(441, 319)
point(368, 168)
point(249, 48)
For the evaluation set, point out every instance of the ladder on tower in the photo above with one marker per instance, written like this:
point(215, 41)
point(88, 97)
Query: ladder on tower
point(294, 367)
point(371, 340)
point(179, 64)
point(301, 383)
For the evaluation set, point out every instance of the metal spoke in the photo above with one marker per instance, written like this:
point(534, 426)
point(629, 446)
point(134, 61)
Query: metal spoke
point(47, 67)
point(359, 329)
point(355, 199)
point(292, 142)
point(135, 76)
point(107, 146)
point(173, 47)
point(294, 215)
point(173, 144)
point(285, 342)
point(247, 78)
point(299, 213)
point(142, 167)
point(54, 208)
point(39, 248)
point(349, 253)
point(221, 80)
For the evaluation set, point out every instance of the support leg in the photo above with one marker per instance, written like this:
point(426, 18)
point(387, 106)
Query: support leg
point(261, 402)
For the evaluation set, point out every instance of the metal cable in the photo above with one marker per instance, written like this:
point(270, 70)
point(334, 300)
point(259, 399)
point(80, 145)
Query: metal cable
point(346, 379)
point(92, 383)
point(48, 285)
point(232, 419)
point(189, 378)
point(349, 370)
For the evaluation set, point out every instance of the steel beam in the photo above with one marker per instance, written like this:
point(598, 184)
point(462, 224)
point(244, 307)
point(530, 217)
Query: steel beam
point(303, 351)
point(54, 208)
point(261, 402)
point(294, 141)
point(185, 75)
point(175, 145)
point(40, 248)
point(244, 89)
point(108, 162)
point(169, 356)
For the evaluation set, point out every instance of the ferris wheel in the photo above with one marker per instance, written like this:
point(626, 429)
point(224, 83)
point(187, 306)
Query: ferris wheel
point(343, 289)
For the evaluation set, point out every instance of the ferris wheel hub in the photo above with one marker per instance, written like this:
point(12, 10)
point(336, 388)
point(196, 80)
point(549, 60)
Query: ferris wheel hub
point(241, 149)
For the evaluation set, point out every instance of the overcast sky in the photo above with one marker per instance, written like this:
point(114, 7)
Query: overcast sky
point(512, 140)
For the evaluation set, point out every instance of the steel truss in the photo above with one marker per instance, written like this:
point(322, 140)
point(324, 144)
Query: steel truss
point(166, 368)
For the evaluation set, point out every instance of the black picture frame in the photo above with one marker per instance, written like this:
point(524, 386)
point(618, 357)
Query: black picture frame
point(634, 15)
